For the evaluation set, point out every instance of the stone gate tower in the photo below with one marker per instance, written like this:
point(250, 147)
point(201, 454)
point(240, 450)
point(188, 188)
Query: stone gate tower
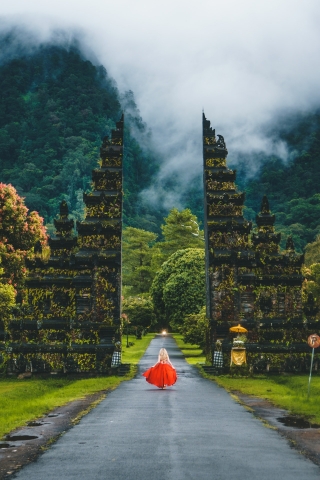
point(226, 233)
point(249, 281)
point(70, 318)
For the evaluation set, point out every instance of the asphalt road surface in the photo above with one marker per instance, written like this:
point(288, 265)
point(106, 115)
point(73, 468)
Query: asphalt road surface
point(194, 430)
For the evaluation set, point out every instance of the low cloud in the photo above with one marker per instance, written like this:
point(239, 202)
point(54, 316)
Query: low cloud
point(247, 64)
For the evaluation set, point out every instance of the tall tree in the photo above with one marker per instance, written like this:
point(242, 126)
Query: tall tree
point(139, 312)
point(19, 232)
point(137, 259)
point(178, 288)
point(312, 253)
point(180, 231)
point(195, 328)
point(312, 281)
point(7, 298)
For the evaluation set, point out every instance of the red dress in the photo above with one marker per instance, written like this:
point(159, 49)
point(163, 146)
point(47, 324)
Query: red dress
point(161, 375)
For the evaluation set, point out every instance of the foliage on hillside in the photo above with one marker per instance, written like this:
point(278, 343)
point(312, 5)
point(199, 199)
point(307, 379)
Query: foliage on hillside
point(55, 108)
point(292, 187)
point(51, 118)
point(141, 163)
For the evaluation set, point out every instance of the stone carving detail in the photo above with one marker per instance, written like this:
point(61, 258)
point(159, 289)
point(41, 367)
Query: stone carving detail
point(265, 209)
point(220, 142)
point(290, 244)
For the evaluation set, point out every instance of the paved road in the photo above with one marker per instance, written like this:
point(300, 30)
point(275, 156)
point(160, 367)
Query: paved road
point(193, 430)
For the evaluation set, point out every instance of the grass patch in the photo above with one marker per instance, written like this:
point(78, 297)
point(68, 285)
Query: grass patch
point(192, 353)
point(24, 400)
point(133, 353)
point(284, 391)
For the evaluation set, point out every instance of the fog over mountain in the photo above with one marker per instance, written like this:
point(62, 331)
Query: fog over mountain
point(251, 66)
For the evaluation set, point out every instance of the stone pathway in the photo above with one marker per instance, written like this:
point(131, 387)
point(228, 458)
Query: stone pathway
point(193, 430)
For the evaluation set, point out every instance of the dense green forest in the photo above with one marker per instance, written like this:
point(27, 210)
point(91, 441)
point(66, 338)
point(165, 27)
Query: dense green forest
point(56, 106)
point(292, 187)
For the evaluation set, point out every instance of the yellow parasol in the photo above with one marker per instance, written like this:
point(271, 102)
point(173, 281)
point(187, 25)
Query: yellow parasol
point(238, 329)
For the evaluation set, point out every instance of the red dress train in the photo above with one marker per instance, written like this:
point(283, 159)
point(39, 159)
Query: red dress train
point(161, 375)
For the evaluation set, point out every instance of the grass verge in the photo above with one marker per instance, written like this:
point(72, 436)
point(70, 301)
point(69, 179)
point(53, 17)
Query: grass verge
point(192, 353)
point(27, 399)
point(284, 391)
point(24, 400)
point(133, 353)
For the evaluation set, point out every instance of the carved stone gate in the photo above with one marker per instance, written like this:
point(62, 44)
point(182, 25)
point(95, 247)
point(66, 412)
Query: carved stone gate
point(70, 315)
point(249, 281)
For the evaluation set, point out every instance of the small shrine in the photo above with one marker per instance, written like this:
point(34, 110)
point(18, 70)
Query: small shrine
point(70, 315)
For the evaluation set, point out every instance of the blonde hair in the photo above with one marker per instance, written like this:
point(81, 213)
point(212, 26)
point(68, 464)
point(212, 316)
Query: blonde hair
point(163, 355)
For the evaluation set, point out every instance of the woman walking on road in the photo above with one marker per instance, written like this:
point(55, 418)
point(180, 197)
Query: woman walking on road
point(162, 374)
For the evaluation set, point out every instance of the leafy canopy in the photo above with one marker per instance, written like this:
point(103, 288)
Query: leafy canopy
point(139, 311)
point(7, 300)
point(178, 288)
point(19, 231)
point(180, 231)
point(195, 328)
point(143, 255)
point(312, 252)
point(137, 259)
point(56, 109)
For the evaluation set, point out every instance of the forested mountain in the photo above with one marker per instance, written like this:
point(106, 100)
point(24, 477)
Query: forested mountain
point(292, 187)
point(55, 107)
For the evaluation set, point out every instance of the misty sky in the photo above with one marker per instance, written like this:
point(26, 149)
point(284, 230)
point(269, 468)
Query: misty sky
point(243, 62)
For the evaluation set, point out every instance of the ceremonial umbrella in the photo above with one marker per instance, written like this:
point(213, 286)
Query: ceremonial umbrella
point(238, 329)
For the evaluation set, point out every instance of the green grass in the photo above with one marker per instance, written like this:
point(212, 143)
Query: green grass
point(192, 353)
point(133, 353)
point(27, 399)
point(285, 391)
point(22, 401)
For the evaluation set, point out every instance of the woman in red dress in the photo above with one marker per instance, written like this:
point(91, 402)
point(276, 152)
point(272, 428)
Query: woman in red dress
point(162, 374)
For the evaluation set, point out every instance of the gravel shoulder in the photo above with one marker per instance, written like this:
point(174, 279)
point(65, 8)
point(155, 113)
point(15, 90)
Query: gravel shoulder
point(305, 440)
point(14, 454)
